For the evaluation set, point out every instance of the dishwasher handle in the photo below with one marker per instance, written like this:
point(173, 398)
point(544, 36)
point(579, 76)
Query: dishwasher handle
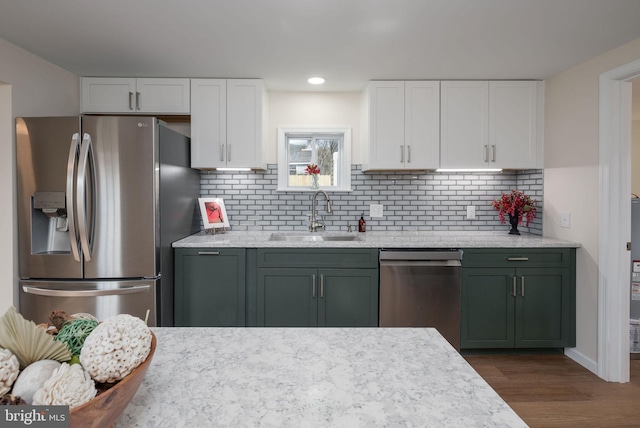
point(421, 263)
point(444, 255)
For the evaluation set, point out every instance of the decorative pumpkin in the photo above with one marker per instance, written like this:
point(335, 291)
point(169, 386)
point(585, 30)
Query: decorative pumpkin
point(69, 386)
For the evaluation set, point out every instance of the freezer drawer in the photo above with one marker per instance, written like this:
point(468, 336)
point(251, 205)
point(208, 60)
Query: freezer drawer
point(101, 298)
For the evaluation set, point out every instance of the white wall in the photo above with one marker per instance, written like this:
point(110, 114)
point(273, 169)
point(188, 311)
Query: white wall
point(635, 156)
point(571, 175)
point(314, 109)
point(33, 87)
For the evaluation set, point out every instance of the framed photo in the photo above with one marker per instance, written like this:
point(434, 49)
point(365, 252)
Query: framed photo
point(214, 214)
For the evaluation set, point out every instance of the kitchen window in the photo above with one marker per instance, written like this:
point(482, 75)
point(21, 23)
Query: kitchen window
point(329, 148)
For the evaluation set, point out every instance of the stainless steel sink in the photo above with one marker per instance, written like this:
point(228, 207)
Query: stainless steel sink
point(313, 237)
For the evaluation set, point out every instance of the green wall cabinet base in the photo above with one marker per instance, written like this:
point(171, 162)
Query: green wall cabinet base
point(210, 287)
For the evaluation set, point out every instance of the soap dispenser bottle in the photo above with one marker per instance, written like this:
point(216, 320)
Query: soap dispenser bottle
point(362, 224)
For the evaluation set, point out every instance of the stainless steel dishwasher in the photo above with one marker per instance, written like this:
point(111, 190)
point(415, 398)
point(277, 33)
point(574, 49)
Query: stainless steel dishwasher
point(421, 288)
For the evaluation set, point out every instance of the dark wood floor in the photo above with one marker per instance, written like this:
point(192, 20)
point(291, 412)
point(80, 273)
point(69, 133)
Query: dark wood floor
point(555, 391)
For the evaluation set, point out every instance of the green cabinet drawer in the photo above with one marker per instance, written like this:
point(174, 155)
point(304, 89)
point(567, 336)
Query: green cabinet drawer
point(352, 258)
point(210, 287)
point(517, 257)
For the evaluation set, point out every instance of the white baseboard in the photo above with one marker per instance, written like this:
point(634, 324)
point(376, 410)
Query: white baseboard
point(582, 359)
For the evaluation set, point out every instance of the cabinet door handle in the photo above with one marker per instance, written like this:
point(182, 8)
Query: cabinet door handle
point(522, 286)
point(321, 286)
point(313, 286)
point(208, 253)
point(514, 293)
point(518, 259)
point(401, 154)
point(130, 100)
point(493, 159)
point(486, 153)
point(139, 100)
point(228, 152)
point(408, 154)
point(221, 152)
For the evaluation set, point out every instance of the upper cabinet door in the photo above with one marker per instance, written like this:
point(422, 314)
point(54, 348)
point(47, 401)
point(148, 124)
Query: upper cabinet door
point(464, 124)
point(208, 123)
point(163, 96)
point(246, 123)
point(385, 122)
point(134, 96)
point(513, 133)
point(422, 125)
point(108, 95)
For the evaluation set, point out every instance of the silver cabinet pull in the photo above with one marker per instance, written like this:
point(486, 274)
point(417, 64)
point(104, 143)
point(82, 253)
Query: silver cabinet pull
point(321, 286)
point(518, 259)
point(313, 286)
point(408, 154)
point(221, 152)
point(139, 100)
point(208, 253)
point(228, 152)
point(401, 154)
point(130, 100)
point(514, 293)
point(493, 159)
point(522, 286)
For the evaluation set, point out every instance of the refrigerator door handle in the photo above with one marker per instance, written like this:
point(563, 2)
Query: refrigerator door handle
point(72, 169)
point(87, 167)
point(84, 293)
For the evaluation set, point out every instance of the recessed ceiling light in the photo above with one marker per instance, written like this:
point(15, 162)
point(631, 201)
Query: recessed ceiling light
point(316, 80)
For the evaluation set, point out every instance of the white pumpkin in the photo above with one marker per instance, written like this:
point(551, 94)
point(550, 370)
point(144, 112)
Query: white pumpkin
point(33, 377)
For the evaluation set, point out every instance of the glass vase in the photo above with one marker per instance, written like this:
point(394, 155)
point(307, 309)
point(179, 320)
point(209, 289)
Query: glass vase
point(314, 181)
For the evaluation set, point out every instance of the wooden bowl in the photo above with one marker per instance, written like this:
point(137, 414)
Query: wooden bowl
point(105, 408)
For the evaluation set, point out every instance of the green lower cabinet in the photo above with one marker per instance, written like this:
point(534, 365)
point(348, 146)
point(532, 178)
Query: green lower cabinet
point(517, 308)
point(308, 297)
point(210, 287)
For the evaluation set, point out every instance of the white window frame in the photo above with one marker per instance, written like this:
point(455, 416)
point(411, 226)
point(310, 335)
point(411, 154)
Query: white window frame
point(345, 163)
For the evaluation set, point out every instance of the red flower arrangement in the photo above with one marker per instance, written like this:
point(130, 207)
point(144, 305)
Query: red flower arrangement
point(515, 203)
point(312, 169)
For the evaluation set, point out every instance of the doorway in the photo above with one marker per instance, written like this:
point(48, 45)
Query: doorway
point(614, 221)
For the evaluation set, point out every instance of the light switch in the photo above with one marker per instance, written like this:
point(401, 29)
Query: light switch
point(565, 219)
point(375, 210)
point(471, 212)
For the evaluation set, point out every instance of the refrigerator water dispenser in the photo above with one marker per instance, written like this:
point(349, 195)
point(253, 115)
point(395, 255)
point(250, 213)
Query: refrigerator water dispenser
point(49, 223)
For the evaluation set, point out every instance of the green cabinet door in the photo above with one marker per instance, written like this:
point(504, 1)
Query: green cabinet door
point(287, 297)
point(348, 298)
point(487, 305)
point(541, 316)
point(209, 287)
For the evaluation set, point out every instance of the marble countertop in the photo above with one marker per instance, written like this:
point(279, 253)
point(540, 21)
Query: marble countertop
point(312, 377)
point(388, 239)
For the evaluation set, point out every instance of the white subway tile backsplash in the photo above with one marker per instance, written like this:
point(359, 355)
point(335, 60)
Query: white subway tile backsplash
point(412, 200)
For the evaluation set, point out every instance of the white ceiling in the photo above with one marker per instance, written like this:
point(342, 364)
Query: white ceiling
point(346, 41)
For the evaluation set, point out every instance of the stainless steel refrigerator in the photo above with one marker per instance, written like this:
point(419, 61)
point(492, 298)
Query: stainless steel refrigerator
point(100, 200)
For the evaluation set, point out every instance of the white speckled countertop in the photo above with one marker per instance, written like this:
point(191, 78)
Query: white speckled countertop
point(407, 239)
point(312, 377)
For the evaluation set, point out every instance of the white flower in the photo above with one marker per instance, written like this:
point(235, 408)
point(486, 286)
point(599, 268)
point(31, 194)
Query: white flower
point(68, 386)
point(9, 369)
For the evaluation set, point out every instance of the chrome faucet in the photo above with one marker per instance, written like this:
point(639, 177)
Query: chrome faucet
point(315, 224)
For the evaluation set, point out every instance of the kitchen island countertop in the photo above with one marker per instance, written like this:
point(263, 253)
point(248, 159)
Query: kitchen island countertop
point(383, 239)
point(312, 377)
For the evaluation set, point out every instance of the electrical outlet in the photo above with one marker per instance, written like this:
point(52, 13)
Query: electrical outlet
point(471, 212)
point(565, 219)
point(375, 210)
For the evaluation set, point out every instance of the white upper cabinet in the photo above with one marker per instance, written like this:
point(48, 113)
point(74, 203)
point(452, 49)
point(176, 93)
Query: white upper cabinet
point(228, 123)
point(135, 96)
point(401, 120)
point(490, 124)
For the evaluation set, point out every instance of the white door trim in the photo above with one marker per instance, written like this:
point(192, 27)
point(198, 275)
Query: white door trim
point(614, 222)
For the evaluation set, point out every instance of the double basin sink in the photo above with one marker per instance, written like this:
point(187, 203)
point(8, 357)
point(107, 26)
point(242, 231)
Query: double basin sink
point(314, 237)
